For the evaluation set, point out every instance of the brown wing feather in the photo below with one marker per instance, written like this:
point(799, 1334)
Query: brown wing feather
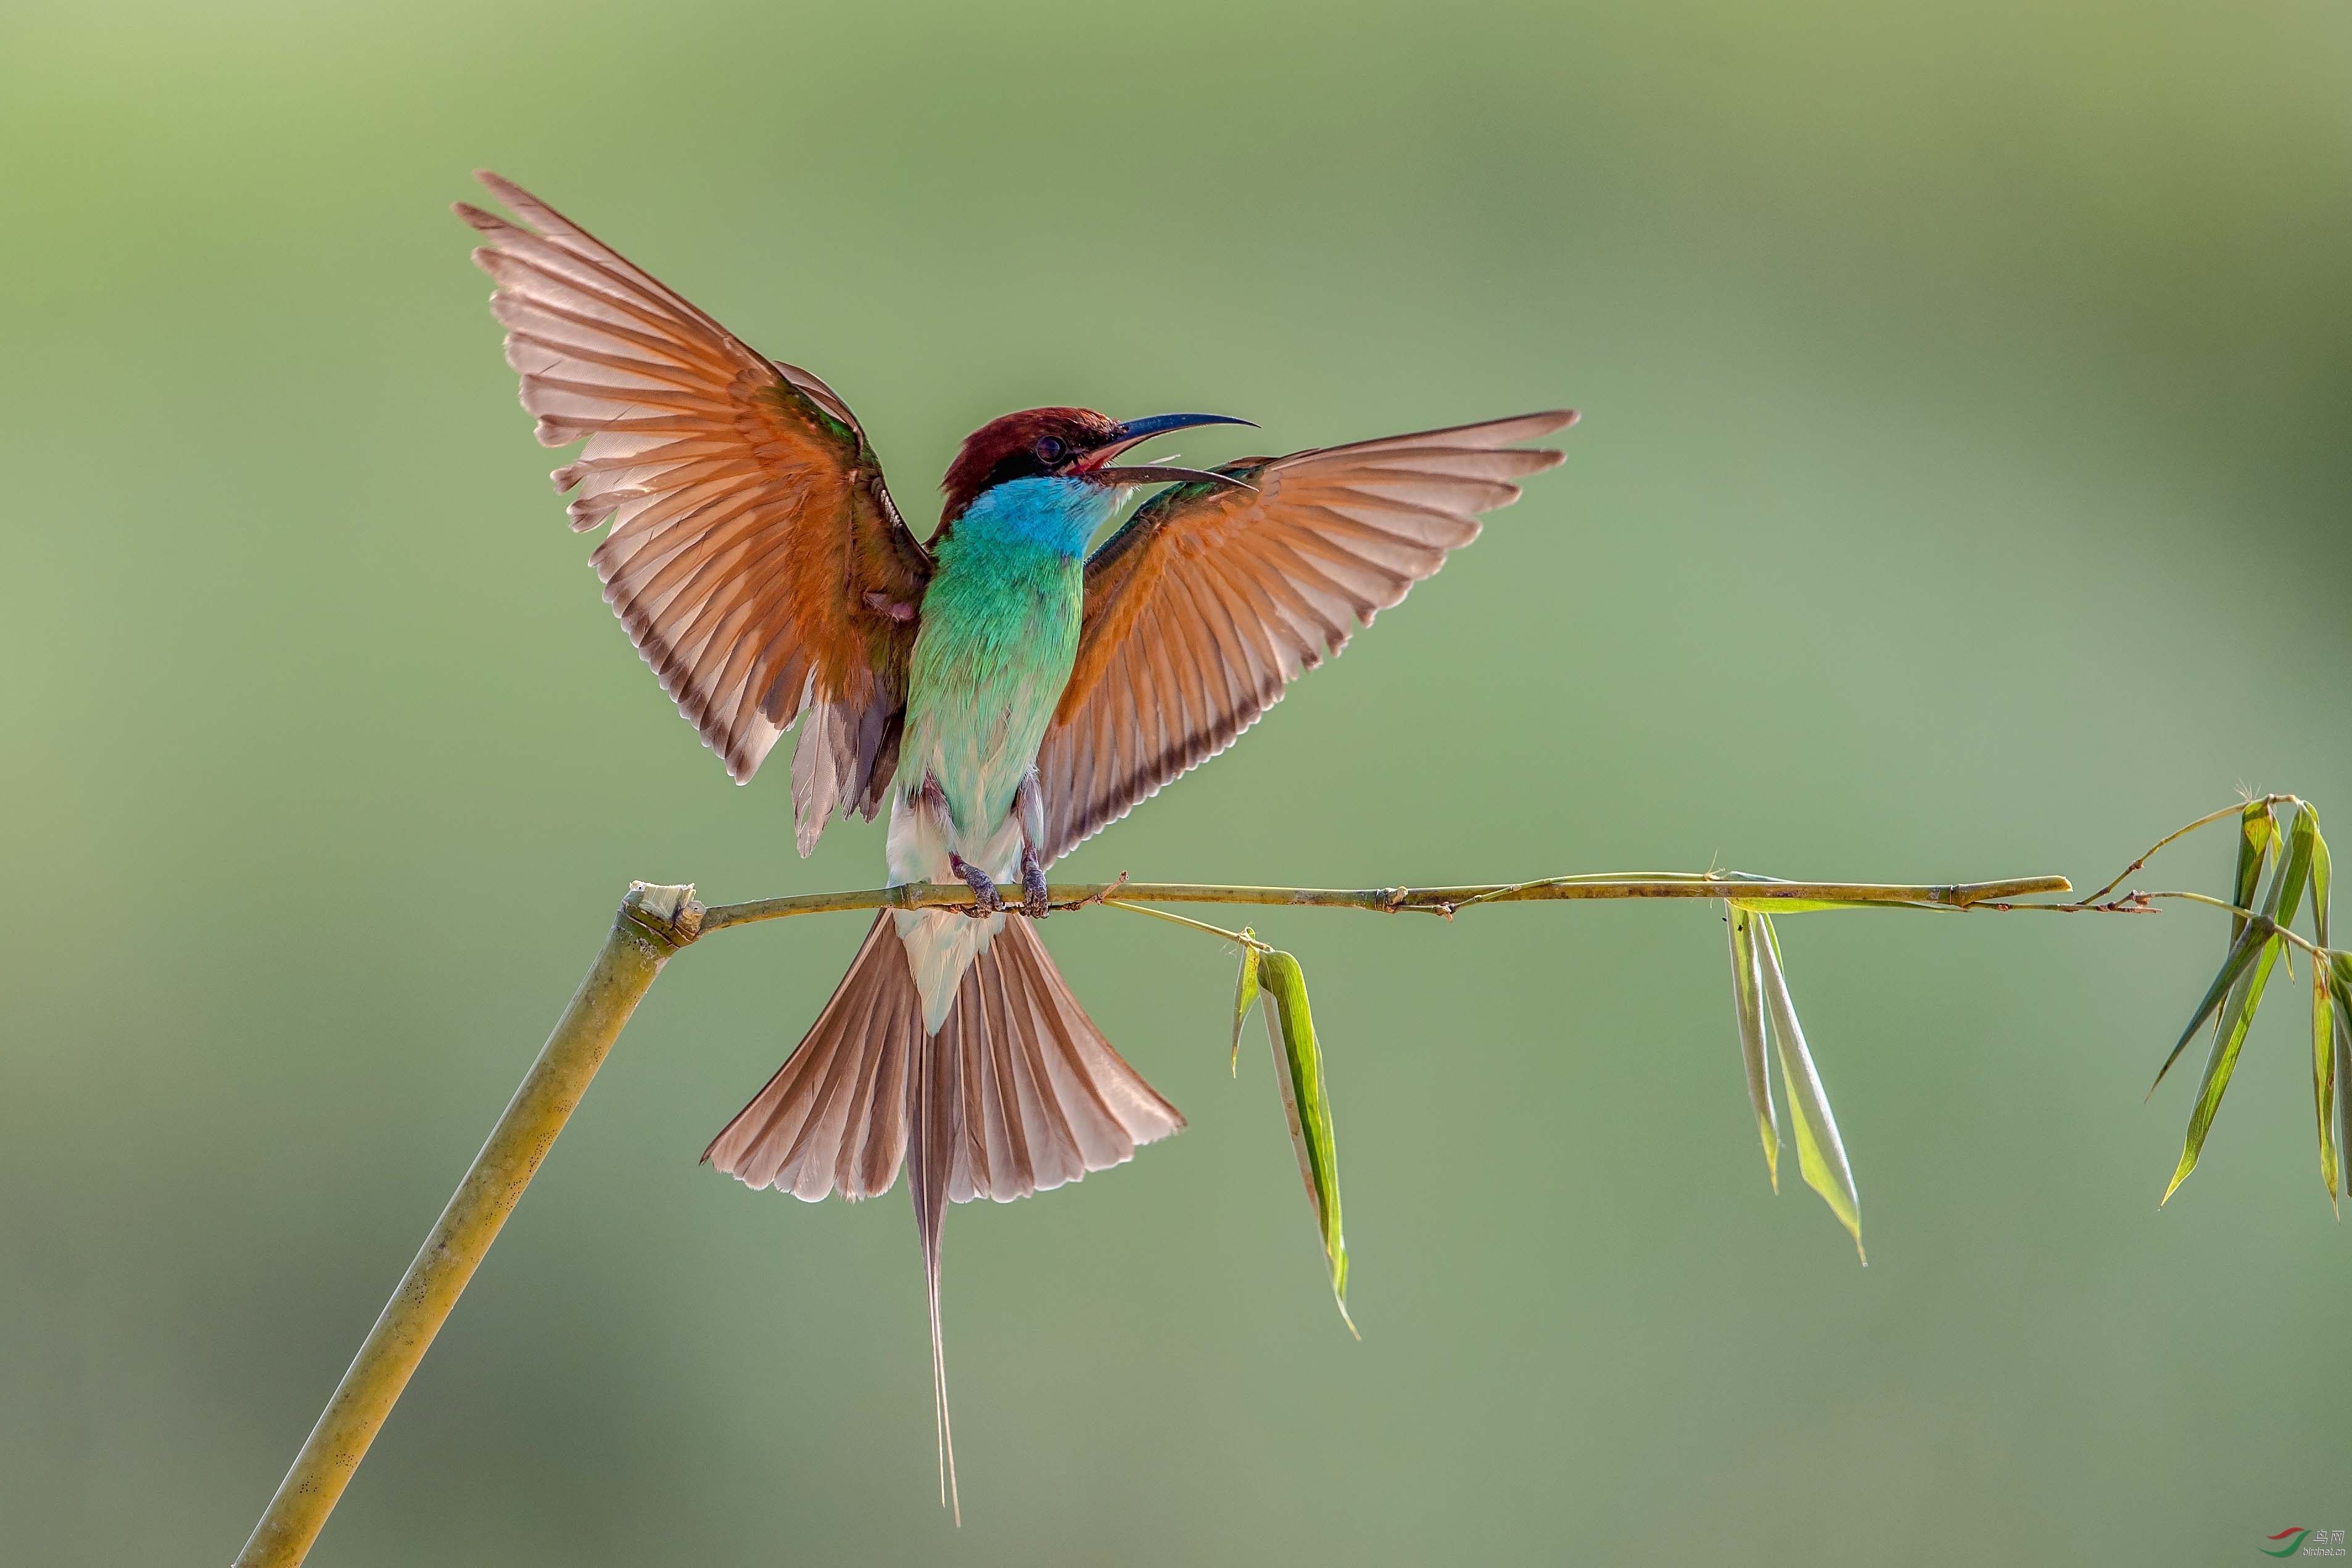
point(750, 521)
point(1209, 602)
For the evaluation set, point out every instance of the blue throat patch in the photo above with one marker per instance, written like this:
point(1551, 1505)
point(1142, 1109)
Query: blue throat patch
point(1057, 514)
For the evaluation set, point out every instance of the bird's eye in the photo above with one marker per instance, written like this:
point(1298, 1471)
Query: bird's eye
point(1050, 449)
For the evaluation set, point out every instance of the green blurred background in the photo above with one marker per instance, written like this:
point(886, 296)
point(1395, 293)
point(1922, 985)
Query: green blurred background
point(1962, 492)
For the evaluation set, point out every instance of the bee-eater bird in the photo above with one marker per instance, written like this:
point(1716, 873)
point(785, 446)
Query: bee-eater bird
point(1008, 691)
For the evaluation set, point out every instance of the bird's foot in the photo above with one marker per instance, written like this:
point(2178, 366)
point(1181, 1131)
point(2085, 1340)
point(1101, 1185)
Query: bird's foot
point(984, 888)
point(1035, 900)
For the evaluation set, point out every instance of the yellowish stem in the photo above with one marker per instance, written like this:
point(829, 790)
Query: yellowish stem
point(652, 923)
point(1402, 901)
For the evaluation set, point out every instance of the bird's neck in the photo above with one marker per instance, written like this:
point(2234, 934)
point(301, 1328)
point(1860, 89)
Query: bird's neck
point(1056, 514)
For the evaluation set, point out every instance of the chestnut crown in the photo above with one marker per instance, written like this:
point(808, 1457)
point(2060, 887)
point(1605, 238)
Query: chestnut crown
point(1027, 444)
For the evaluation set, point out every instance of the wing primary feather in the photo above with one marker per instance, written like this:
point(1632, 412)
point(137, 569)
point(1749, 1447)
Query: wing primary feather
point(750, 530)
point(1207, 602)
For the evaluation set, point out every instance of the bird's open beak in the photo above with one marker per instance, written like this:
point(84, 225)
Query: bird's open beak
point(1094, 465)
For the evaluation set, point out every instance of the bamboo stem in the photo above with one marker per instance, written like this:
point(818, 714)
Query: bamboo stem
point(652, 923)
point(2234, 809)
point(1397, 901)
point(655, 922)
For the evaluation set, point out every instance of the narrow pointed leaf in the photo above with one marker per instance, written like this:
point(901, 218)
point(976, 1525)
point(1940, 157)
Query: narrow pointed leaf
point(2286, 895)
point(2230, 1037)
point(2257, 833)
point(2339, 981)
point(2235, 965)
point(1244, 996)
point(2343, 1087)
point(2237, 1014)
point(2323, 1076)
point(2258, 844)
point(1748, 1008)
point(1299, 1068)
point(2320, 874)
point(1819, 1153)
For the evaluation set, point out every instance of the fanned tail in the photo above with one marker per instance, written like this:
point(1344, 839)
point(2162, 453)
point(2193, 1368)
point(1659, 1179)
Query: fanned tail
point(833, 1119)
point(1017, 1092)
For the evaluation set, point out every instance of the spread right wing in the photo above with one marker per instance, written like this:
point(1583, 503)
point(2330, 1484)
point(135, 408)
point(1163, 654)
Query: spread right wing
point(1211, 600)
point(755, 555)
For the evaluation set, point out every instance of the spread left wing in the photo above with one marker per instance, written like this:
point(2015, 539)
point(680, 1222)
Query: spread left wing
point(755, 556)
point(1211, 600)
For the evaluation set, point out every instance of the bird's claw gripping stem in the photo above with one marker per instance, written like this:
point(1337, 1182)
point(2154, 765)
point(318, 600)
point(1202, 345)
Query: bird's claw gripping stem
point(984, 888)
point(1034, 900)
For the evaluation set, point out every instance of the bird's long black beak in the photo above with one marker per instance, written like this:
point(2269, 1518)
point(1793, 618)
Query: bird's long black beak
point(1137, 431)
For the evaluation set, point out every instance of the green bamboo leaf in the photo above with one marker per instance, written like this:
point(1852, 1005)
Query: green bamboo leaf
point(2237, 1014)
point(2340, 981)
point(2229, 1038)
point(1244, 996)
point(1299, 1068)
point(2257, 835)
point(2323, 1076)
point(1810, 906)
point(2340, 992)
point(2241, 955)
point(2245, 997)
point(2302, 842)
point(1748, 1008)
point(1820, 1154)
point(2343, 1086)
point(2320, 876)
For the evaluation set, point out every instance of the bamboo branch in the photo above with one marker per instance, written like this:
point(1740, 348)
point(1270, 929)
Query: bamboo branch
point(1402, 901)
point(2234, 809)
point(652, 924)
point(655, 922)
